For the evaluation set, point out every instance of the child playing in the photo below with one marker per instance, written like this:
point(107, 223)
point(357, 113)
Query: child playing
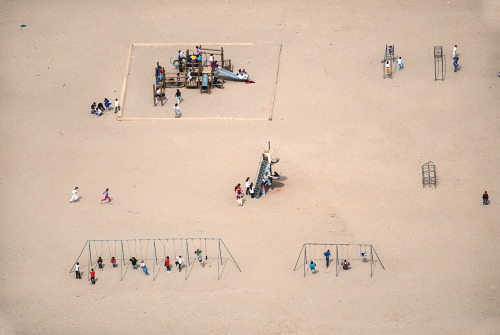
point(144, 268)
point(99, 262)
point(92, 276)
point(113, 262)
point(312, 266)
point(167, 263)
point(198, 253)
point(106, 196)
point(74, 197)
point(77, 271)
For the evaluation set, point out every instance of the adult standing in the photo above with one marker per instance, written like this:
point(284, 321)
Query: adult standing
point(74, 196)
point(485, 198)
point(252, 191)
point(327, 256)
point(106, 196)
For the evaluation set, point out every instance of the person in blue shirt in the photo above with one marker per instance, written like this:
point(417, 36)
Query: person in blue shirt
point(327, 256)
point(455, 65)
point(312, 266)
point(107, 103)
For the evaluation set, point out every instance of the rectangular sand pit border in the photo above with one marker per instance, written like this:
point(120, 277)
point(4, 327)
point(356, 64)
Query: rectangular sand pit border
point(127, 71)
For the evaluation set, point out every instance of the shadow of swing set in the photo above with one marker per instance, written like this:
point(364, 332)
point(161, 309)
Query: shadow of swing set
point(179, 246)
point(366, 254)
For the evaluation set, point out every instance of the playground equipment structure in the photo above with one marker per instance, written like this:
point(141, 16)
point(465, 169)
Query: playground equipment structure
point(438, 63)
point(151, 254)
point(389, 58)
point(193, 73)
point(265, 166)
point(429, 176)
point(366, 254)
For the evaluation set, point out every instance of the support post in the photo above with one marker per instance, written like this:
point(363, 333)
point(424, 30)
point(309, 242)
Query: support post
point(122, 262)
point(300, 254)
point(336, 260)
point(371, 260)
point(89, 263)
point(154, 263)
point(229, 252)
point(378, 258)
point(305, 260)
point(186, 273)
point(218, 265)
point(83, 249)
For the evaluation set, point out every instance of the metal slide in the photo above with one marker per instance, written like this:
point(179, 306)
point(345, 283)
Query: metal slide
point(228, 74)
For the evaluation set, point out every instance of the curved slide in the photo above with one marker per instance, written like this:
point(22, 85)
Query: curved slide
point(228, 74)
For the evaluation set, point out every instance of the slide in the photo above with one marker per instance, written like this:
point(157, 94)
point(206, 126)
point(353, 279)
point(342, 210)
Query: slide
point(228, 74)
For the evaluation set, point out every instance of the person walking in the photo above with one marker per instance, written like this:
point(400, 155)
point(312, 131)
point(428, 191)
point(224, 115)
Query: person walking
point(92, 276)
point(144, 268)
point(400, 63)
point(178, 96)
point(167, 263)
point(117, 106)
point(77, 271)
point(106, 196)
point(455, 51)
point(327, 256)
point(74, 196)
point(455, 65)
point(177, 111)
point(485, 198)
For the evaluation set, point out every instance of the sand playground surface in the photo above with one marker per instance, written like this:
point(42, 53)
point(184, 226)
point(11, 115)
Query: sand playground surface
point(351, 145)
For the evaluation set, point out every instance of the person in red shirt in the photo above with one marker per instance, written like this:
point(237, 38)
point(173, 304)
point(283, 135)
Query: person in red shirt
point(113, 262)
point(485, 198)
point(167, 263)
point(92, 276)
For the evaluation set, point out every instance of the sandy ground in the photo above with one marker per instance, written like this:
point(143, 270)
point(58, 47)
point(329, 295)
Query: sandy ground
point(351, 146)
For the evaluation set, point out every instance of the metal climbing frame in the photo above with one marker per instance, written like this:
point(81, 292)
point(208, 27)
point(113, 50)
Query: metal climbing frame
point(343, 248)
point(389, 57)
point(150, 254)
point(438, 63)
point(429, 176)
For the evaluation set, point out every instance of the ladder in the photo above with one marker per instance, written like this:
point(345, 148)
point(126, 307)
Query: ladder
point(260, 175)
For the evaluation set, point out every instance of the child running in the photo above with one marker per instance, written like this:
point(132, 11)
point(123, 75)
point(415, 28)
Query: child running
point(74, 196)
point(106, 196)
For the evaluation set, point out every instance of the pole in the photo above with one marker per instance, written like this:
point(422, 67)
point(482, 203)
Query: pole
point(305, 259)
point(218, 265)
point(300, 254)
point(89, 263)
point(186, 273)
point(121, 263)
point(154, 245)
point(371, 260)
point(83, 249)
point(336, 260)
point(270, 166)
point(231, 255)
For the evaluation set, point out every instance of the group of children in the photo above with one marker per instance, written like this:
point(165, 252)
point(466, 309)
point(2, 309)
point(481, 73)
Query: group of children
point(75, 197)
point(98, 109)
point(100, 263)
point(250, 187)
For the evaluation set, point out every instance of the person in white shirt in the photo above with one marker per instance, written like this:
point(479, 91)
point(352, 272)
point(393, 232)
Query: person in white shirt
point(144, 268)
point(178, 262)
point(77, 271)
point(455, 52)
point(74, 197)
point(400, 63)
point(117, 106)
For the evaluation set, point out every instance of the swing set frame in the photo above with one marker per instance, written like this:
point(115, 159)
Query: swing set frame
point(335, 247)
point(123, 262)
